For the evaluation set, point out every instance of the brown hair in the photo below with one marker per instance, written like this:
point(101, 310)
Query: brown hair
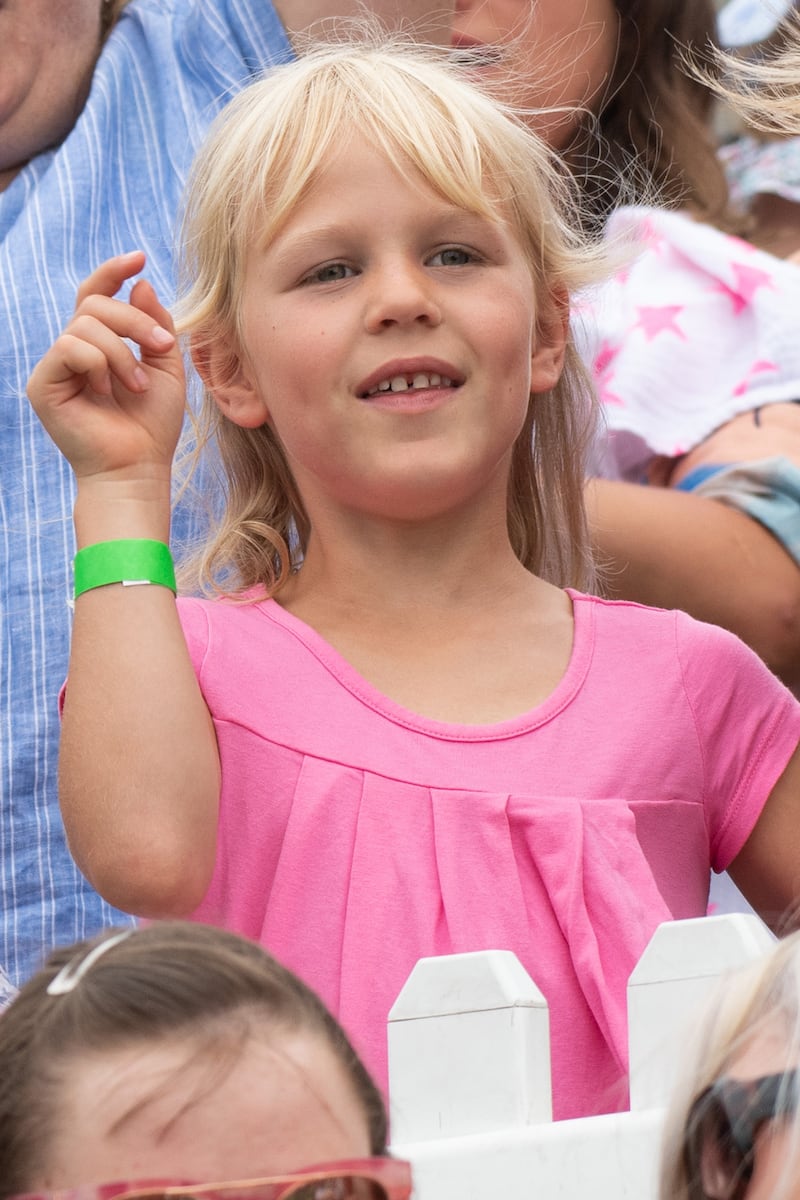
point(170, 979)
point(652, 137)
point(109, 15)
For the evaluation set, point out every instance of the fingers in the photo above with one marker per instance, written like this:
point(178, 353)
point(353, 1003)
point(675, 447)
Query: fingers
point(93, 346)
point(97, 349)
point(110, 276)
point(156, 337)
point(109, 325)
point(144, 298)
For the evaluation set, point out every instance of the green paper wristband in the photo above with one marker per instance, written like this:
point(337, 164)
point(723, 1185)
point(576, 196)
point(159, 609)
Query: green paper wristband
point(126, 561)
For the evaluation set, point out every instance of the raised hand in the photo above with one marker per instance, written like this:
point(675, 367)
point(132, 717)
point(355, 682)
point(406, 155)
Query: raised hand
point(109, 412)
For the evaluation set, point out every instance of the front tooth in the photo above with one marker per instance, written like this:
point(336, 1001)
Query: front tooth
point(399, 384)
point(421, 381)
point(434, 380)
point(384, 385)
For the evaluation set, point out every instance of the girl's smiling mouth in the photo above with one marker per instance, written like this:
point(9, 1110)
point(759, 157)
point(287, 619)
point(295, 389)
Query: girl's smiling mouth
point(403, 385)
point(407, 383)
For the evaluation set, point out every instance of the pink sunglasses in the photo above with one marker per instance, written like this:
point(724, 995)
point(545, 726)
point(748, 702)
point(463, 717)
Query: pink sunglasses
point(350, 1179)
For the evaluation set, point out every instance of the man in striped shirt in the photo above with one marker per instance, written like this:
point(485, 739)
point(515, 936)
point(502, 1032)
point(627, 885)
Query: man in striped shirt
point(95, 142)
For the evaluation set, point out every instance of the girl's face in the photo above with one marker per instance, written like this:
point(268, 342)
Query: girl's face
point(390, 340)
point(558, 53)
point(176, 1111)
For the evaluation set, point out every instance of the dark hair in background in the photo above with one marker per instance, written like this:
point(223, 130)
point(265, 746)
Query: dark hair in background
point(653, 138)
point(170, 979)
point(109, 14)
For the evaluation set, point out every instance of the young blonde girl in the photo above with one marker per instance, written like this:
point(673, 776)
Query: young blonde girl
point(400, 731)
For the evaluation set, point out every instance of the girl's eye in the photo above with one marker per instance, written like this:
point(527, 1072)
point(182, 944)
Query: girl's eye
point(329, 273)
point(452, 256)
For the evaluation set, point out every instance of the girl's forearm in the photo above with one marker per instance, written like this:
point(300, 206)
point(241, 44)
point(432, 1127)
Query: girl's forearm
point(139, 768)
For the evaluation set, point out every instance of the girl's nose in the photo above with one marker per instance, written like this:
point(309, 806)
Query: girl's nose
point(402, 295)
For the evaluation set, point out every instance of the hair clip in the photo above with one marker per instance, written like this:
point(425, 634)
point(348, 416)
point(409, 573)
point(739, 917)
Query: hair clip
point(73, 972)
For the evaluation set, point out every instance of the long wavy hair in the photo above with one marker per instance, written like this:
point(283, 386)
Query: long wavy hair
point(764, 90)
point(263, 155)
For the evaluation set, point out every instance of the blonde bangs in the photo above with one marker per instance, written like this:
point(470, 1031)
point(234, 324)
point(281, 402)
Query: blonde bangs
point(423, 114)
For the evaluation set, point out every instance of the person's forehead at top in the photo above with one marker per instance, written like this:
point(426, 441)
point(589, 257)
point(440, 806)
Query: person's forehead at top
point(204, 1108)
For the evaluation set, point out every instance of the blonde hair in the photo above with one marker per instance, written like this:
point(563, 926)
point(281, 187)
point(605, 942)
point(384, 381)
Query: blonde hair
point(761, 1000)
point(765, 91)
point(260, 160)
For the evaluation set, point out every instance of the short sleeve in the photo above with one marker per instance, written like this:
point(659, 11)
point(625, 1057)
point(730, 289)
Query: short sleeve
point(195, 624)
point(748, 727)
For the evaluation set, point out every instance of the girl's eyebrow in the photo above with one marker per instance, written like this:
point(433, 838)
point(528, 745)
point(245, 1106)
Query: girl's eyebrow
point(288, 246)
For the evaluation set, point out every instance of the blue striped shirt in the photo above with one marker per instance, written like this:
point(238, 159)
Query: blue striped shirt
point(113, 185)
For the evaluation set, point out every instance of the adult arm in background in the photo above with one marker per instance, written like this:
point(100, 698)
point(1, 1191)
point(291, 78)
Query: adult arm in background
point(673, 549)
point(676, 549)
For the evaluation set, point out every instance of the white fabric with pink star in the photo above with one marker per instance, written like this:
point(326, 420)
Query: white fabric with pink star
point(694, 329)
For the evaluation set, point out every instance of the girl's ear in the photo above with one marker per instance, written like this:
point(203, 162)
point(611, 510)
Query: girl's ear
point(550, 344)
point(228, 380)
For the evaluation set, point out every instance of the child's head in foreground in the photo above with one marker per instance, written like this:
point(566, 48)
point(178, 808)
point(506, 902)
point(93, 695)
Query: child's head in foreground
point(445, 146)
point(176, 1052)
point(732, 1132)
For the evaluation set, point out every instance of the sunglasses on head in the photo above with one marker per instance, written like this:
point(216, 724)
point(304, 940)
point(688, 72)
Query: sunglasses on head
point(350, 1179)
point(721, 1131)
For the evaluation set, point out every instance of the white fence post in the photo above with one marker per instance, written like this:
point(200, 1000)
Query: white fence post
point(669, 984)
point(469, 1071)
point(469, 1048)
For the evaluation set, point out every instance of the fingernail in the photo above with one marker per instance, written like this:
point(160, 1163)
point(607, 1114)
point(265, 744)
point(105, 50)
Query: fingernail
point(140, 378)
point(161, 336)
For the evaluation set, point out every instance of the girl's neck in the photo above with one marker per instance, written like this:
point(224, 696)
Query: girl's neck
point(440, 567)
point(449, 632)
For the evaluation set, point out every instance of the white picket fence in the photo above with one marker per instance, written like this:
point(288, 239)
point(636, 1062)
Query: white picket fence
point(469, 1071)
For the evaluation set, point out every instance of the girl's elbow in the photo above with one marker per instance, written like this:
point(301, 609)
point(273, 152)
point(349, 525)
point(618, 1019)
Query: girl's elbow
point(149, 863)
point(164, 878)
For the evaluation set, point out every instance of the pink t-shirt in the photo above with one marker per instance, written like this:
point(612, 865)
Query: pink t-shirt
point(356, 837)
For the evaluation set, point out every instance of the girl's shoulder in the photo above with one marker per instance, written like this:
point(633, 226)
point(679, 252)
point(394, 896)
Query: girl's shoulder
point(715, 667)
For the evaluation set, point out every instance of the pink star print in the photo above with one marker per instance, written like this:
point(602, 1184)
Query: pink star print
point(761, 367)
point(605, 357)
point(660, 319)
point(603, 373)
point(747, 282)
point(650, 236)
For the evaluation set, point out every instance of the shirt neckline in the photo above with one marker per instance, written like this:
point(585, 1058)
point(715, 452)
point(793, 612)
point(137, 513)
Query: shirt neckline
point(561, 696)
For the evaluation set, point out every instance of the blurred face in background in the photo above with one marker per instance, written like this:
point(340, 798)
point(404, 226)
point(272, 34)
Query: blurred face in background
point(47, 55)
point(552, 54)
